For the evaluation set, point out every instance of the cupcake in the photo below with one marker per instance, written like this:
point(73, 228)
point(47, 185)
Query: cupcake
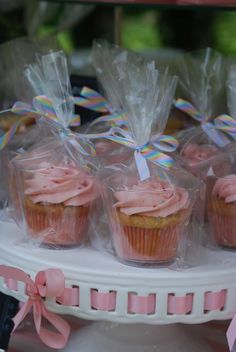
point(206, 162)
point(195, 155)
point(56, 201)
point(222, 211)
point(149, 221)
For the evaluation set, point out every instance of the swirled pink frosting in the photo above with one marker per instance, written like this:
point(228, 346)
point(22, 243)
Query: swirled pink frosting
point(225, 188)
point(152, 198)
point(55, 184)
point(194, 153)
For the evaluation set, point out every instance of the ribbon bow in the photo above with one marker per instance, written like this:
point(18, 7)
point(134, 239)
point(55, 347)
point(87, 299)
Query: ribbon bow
point(146, 151)
point(208, 127)
point(48, 284)
point(92, 100)
point(227, 124)
point(42, 106)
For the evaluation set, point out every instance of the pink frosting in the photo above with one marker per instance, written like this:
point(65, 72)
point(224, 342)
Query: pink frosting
point(194, 153)
point(152, 198)
point(55, 184)
point(225, 188)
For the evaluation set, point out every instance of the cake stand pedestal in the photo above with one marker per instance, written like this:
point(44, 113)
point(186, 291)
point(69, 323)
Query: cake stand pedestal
point(109, 291)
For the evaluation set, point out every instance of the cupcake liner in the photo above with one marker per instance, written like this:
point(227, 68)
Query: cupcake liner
point(147, 245)
point(56, 225)
point(223, 226)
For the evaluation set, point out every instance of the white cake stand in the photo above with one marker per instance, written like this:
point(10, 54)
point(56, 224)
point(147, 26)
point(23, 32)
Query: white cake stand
point(111, 291)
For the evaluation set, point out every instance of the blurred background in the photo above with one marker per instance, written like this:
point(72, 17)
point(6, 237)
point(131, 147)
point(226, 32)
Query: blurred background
point(72, 27)
point(161, 33)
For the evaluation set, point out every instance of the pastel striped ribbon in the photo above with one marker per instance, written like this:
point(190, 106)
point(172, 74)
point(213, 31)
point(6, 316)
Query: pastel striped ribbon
point(41, 106)
point(146, 152)
point(208, 126)
point(190, 110)
point(226, 124)
point(92, 100)
point(114, 119)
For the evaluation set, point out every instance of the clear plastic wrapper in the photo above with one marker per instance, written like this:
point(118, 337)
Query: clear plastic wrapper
point(202, 83)
point(148, 205)
point(51, 183)
point(20, 144)
point(54, 194)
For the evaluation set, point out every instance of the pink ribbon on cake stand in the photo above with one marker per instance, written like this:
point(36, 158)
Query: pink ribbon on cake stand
point(48, 284)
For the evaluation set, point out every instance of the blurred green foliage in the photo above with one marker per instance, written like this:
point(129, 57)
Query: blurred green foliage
point(140, 30)
point(224, 30)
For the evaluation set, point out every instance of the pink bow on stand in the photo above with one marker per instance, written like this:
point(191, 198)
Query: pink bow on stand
point(48, 284)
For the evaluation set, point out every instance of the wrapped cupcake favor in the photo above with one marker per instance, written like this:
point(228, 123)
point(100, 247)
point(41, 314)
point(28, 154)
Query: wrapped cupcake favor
point(51, 183)
point(148, 203)
point(56, 195)
point(104, 57)
point(202, 77)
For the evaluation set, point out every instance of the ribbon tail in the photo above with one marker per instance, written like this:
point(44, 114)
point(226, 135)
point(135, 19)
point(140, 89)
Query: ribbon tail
point(7, 137)
point(189, 109)
point(20, 316)
point(226, 124)
point(91, 104)
point(216, 136)
point(115, 119)
point(231, 335)
point(142, 166)
point(158, 158)
point(52, 339)
point(75, 121)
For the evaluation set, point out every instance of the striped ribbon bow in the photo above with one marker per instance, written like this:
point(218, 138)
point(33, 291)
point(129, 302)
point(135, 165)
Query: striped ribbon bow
point(41, 106)
point(92, 100)
point(208, 127)
point(226, 124)
point(145, 152)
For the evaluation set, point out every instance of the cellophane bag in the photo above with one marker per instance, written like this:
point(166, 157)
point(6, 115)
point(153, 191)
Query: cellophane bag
point(104, 57)
point(202, 82)
point(52, 184)
point(201, 79)
point(148, 205)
